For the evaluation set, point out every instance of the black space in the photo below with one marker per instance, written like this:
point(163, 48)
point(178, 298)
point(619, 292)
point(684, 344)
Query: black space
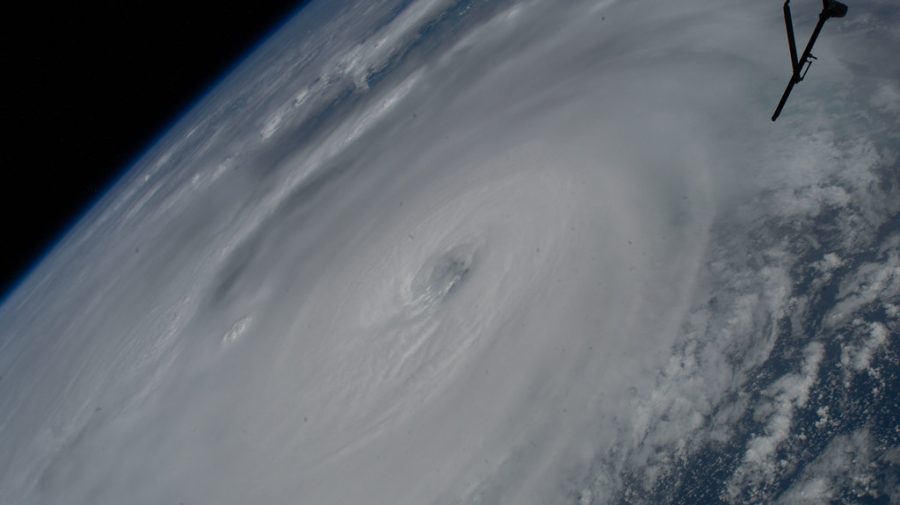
point(88, 86)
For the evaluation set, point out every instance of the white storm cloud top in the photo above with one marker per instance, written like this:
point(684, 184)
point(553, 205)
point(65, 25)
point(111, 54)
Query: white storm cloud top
point(453, 252)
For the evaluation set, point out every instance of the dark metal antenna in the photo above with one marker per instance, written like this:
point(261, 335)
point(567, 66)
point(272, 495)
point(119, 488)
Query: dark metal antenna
point(830, 9)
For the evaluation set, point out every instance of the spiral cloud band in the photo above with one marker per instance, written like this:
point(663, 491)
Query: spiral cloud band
point(438, 251)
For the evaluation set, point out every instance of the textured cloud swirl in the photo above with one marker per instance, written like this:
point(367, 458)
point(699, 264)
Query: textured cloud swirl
point(437, 251)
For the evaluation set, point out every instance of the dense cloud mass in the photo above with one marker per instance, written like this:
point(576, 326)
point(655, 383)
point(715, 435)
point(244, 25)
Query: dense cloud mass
point(438, 251)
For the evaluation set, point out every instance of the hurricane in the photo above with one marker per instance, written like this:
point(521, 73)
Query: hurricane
point(486, 252)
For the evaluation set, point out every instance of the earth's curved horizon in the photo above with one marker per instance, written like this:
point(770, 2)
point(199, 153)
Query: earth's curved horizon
point(486, 252)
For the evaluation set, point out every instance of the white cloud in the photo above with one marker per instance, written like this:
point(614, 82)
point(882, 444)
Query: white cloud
point(606, 227)
point(871, 283)
point(848, 465)
point(760, 464)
